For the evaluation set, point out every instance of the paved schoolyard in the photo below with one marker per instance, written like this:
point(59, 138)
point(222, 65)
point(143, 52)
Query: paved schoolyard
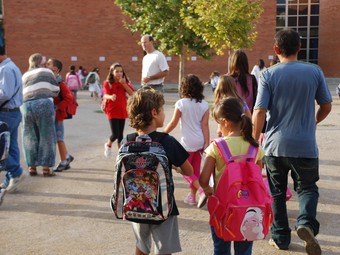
point(70, 213)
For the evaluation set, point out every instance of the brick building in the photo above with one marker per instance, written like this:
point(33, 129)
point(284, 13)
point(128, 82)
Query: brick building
point(91, 33)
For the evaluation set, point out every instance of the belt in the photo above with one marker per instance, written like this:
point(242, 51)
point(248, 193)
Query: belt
point(10, 109)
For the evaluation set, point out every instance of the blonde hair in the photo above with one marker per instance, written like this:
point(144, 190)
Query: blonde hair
point(226, 87)
point(35, 60)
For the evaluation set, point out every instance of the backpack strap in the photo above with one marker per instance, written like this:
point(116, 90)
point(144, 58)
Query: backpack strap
point(224, 150)
point(251, 153)
point(131, 137)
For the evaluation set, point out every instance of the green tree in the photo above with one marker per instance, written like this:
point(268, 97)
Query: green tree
point(162, 20)
point(200, 26)
point(223, 24)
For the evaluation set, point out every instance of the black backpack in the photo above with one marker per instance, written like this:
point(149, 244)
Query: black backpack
point(4, 143)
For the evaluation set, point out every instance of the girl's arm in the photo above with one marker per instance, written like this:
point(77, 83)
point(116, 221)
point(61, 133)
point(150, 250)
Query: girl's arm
point(174, 121)
point(205, 129)
point(105, 92)
point(208, 170)
point(127, 86)
point(248, 113)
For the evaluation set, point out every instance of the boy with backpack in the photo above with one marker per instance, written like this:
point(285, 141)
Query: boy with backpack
point(239, 205)
point(62, 103)
point(146, 113)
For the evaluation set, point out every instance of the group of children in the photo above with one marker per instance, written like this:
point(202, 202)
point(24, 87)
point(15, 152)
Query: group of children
point(145, 109)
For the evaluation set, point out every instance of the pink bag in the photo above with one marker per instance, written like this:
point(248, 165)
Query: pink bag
point(240, 209)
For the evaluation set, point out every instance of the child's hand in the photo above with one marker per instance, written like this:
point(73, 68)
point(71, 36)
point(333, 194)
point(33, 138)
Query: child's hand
point(208, 191)
point(113, 97)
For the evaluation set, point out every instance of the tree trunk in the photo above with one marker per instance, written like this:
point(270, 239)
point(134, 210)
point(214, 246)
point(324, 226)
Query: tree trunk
point(181, 70)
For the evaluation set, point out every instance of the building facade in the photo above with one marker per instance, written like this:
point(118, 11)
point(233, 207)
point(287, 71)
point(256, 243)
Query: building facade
point(92, 34)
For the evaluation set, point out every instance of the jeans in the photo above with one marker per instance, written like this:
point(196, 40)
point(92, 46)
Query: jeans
point(305, 174)
point(222, 247)
point(13, 167)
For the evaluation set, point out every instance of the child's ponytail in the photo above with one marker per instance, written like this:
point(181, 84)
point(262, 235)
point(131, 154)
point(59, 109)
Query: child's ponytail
point(247, 130)
point(231, 109)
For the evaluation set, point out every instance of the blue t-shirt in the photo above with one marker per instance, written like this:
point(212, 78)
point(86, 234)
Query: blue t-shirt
point(288, 91)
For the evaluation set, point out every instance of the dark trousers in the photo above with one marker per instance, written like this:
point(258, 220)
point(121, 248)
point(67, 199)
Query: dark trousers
point(305, 174)
point(117, 128)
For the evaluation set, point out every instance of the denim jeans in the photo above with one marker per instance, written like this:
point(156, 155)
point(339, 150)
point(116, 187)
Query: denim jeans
point(13, 167)
point(305, 174)
point(222, 247)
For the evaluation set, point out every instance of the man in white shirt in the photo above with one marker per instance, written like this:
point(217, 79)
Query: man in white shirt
point(154, 65)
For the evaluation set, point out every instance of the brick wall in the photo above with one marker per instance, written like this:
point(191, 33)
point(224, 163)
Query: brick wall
point(91, 29)
point(329, 38)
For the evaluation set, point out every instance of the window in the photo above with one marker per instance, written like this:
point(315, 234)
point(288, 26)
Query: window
point(303, 16)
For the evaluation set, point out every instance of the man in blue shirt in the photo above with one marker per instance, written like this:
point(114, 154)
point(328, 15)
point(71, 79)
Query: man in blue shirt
point(287, 93)
point(10, 101)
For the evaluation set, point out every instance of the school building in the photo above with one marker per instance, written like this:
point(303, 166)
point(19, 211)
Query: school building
point(92, 34)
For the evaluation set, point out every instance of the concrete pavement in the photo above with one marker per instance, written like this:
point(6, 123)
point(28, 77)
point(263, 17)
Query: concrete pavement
point(70, 213)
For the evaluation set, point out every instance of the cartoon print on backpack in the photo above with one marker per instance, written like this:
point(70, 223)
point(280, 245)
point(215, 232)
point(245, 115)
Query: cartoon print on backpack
point(251, 227)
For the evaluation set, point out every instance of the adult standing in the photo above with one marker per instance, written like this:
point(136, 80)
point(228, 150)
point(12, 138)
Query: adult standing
point(290, 142)
point(10, 102)
point(39, 135)
point(154, 66)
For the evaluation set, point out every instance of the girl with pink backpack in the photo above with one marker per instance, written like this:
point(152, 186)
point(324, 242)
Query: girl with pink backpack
point(236, 128)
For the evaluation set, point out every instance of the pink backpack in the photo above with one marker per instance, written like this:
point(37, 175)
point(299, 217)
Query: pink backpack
point(240, 209)
point(73, 82)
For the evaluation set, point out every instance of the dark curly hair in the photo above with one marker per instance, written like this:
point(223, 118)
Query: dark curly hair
point(140, 106)
point(192, 87)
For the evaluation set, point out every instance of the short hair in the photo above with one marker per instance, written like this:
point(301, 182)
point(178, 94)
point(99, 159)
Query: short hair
point(140, 106)
point(57, 63)
point(287, 41)
point(72, 67)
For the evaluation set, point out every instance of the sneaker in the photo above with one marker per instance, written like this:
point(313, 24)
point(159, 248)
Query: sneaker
point(275, 245)
point(311, 244)
point(190, 199)
point(107, 150)
point(69, 159)
point(14, 183)
point(2, 194)
point(202, 200)
point(60, 167)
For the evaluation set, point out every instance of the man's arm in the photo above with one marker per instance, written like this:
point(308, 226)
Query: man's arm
point(155, 76)
point(322, 112)
point(259, 117)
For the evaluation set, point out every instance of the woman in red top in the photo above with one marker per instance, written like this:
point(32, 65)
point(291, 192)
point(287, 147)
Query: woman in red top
point(115, 88)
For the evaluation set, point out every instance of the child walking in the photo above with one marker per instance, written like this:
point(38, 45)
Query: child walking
point(146, 114)
point(236, 128)
point(114, 89)
point(192, 111)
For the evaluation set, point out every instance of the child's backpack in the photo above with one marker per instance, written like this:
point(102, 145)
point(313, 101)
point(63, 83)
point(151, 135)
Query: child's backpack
point(240, 209)
point(72, 82)
point(143, 186)
point(92, 78)
point(72, 106)
point(4, 144)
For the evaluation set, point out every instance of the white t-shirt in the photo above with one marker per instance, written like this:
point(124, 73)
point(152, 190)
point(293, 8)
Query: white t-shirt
point(191, 123)
point(154, 63)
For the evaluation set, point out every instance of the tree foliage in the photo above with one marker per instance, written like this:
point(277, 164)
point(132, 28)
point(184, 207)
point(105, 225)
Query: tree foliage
point(162, 20)
point(223, 24)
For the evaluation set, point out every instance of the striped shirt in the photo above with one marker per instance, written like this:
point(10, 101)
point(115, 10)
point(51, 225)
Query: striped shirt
point(39, 83)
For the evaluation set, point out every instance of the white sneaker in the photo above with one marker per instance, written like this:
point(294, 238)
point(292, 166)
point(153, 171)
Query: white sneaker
point(14, 183)
point(2, 194)
point(107, 150)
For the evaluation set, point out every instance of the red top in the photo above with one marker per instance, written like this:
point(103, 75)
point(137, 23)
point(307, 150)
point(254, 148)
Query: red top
point(62, 101)
point(116, 109)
